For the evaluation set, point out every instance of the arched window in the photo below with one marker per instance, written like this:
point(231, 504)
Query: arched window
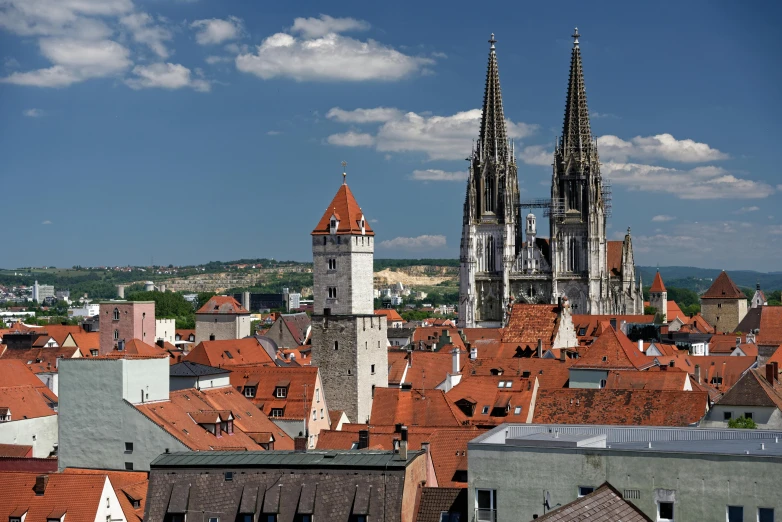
point(489, 194)
point(116, 314)
point(116, 335)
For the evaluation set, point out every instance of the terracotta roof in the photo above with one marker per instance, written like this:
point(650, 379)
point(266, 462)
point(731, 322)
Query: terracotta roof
point(222, 304)
point(529, 322)
point(426, 336)
point(80, 496)
point(612, 350)
point(614, 257)
point(673, 311)
point(335, 416)
point(426, 369)
point(752, 390)
point(14, 372)
point(723, 288)
point(298, 325)
point(397, 363)
point(25, 402)
point(718, 371)
point(129, 486)
point(590, 326)
point(657, 285)
point(229, 353)
point(622, 407)
point(139, 347)
point(267, 379)
point(448, 449)
point(653, 379)
point(175, 417)
point(474, 335)
point(434, 501)
point(184, 335)
point(15, 450)
point(413, 408)
point(551, 373)
point(347, 212)
point(605, 504)
point(391, 314)
point(482, 401)
point(770, 325)
point(380, 439)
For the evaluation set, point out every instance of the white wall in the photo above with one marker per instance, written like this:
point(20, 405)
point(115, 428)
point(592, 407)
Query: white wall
point(201, 383)
point(112, 511)
point(40, 433)
point(50, 379)
point(165, 329)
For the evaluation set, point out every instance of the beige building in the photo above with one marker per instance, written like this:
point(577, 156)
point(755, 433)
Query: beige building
point(222, 318)
point(724, 305)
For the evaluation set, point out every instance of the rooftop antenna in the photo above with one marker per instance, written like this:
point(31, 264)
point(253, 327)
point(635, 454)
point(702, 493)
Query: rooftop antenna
point(344, 172)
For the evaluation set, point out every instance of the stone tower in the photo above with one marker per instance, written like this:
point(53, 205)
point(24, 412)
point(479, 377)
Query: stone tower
point(658, 297)
point(348, 339)
point(491, 227)
point(578, 230)
point(724, 305)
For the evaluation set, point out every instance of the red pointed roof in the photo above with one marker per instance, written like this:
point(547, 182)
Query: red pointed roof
point(222, 304)
point(723, 288)
point(657, 285)
point(347, 212)
point(613, 351)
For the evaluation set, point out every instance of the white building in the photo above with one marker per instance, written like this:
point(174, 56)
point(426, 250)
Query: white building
point(165, 329)
point(88, 310)
point(41, 292)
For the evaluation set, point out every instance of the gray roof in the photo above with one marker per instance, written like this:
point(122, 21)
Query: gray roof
point(285, 459)
point(602, 505)
point(194, 369)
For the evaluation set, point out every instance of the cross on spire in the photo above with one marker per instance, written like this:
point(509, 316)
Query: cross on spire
point(344, 172)
point(492, 41)
point(575, 36)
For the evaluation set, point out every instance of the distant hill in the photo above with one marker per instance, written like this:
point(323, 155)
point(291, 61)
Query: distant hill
point(700, 279)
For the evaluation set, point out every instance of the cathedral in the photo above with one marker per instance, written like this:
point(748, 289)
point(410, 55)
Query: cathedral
point(502, 259)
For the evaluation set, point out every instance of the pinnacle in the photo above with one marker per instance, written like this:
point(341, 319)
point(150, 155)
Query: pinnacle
point(493, 136)
point(576, 132)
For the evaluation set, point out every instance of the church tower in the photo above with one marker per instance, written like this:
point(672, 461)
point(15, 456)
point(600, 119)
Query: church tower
point(578, 225)
point(348, 339)
point(658, 297)
point(491, 229)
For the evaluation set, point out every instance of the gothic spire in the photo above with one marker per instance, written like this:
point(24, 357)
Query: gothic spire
point(494, 136)
point(576, 134)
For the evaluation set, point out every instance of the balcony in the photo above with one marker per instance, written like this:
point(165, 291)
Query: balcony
point(485, 515)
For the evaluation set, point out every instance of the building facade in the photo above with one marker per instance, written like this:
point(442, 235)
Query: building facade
point(348, 339)
point(222, 318)
point(496, 266)
point(123, 321)
point(724, 305)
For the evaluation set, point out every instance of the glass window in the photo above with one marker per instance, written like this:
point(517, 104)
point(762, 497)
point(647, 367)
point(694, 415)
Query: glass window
point(128, 447)
point(129, 466)
point(585, 490)
point(726, 415)
point(735, 513)
point(665, 511)
point(486, 505)
point(765, 514)
point(517, 410)
point(508, 384)
point(485, 410)
point(747, 414)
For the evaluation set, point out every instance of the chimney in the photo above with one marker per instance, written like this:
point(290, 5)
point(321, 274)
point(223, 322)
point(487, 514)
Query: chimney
point(540, 349)
point(161, 343)
point(363, 439)
point(473, 352)
point(403, 444)
point(776, 370)
point(738, 341)
point(40, 484)
point(246, 300)
point(455, 367)
point(698, 373)
point(300, 444)
point(770, 373)
point(562, 354)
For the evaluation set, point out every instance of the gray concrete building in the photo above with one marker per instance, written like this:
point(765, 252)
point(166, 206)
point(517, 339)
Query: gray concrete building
point(671, 474)
point(348, 339)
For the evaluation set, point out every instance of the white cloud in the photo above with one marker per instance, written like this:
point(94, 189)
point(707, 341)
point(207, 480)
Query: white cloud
point(34, 113)
point(331, 58)
point(47, 222)
point(599, 115)
point(661, 146)
point(537, 155)
point(72, 18)
point(165, 76)
point(744, 210)
point(146, 32)
point(705, 182)
point(212, 60)
point(378, 114)
point(11, 63)
point(273, 133)
point(351, 139)
point(317, 27)
point(215, 30)
point(74, 61)
point(662, 217)
point(438, 175)
point(425, 242)
point(440, 137)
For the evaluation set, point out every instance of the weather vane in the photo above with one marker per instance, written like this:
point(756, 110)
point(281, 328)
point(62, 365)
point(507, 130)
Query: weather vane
point(344, 174)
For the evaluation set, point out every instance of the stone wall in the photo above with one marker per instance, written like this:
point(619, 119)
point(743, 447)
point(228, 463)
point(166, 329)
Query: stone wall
point(223, 326)
point(724, 314)
point(352, 277)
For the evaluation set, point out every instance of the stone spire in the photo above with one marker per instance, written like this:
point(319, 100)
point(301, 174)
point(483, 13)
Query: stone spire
point(576, 134)
point(493, 141)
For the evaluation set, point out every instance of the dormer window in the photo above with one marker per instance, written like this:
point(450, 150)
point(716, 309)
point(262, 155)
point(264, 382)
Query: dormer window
point(333, 224)
point(249, 391)
point(281, 389)
point(276, 412)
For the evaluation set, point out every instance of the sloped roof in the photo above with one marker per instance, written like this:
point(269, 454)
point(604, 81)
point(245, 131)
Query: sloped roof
point(79, 496)
point(448, 449)
point(592, 325)
point(428, 369)
point(770, 325)
point(127, 485)
point(391, 314)
point(653, 379)
point(673, 311)
point(378, 438)
point(229, 352)
point(139, 347)
point(657, 285)
point(25, 402)
point(266, 379)
point(622, 407)
point(529, 322)
point(614, 257)
point(612, 350)
point(435, 501)
point(752, 390)
point(605, 504)
point(413, 408)
point(551, 373)
point(15, 450)
point(427, 336)
point(723, 288)
point(298, 325)
point(14, 372)
point(194, 369)
point(347, 212)
point(222, 304)
point(484, 391)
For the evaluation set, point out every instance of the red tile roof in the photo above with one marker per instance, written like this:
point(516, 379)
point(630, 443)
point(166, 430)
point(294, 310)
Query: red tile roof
point(623, 407)
point(222, 304)
point(127, 485)
point(719, 371)
point(488, 404)
point(266, 379)
point(229, 353)
point(448, 449)
point(551, 373)
point(614, 257)
point(413, 408)
point(25, 402)
point(657, 285)
point(391, 314)
point(723, 288)
point(15, 450)
point(653, 379)
point(426, 336)
point(426, 369)
point(380, 438)
point(591, 326)
point(347, 212)
point(529, 322)
point(80, 496)
point(753, 390)
point(770, 325)
point(673, 311)
point(612, 350)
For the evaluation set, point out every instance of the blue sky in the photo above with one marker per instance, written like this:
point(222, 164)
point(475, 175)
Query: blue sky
point(188, 131)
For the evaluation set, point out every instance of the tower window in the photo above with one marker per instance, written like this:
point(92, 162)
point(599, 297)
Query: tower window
point(116, 335)
point(332, 264)
point(116, 314)
point(332, 292)
point(336, 345)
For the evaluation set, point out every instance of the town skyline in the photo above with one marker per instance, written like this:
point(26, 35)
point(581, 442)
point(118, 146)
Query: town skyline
point(189, 95)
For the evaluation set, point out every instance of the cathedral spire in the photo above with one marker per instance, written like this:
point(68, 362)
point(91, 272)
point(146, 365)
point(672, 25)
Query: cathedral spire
point(494, 136)
point(576, 134)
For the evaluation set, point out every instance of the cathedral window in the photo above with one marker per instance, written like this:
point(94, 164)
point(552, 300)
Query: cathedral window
point(489, 195)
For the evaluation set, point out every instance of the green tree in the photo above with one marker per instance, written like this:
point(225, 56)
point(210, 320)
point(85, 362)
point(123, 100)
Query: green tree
point(650, 310)
point(742, 423)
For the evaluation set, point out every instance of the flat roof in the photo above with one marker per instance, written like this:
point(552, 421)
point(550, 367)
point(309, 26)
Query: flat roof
point(285, 459)
point(652, 439)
